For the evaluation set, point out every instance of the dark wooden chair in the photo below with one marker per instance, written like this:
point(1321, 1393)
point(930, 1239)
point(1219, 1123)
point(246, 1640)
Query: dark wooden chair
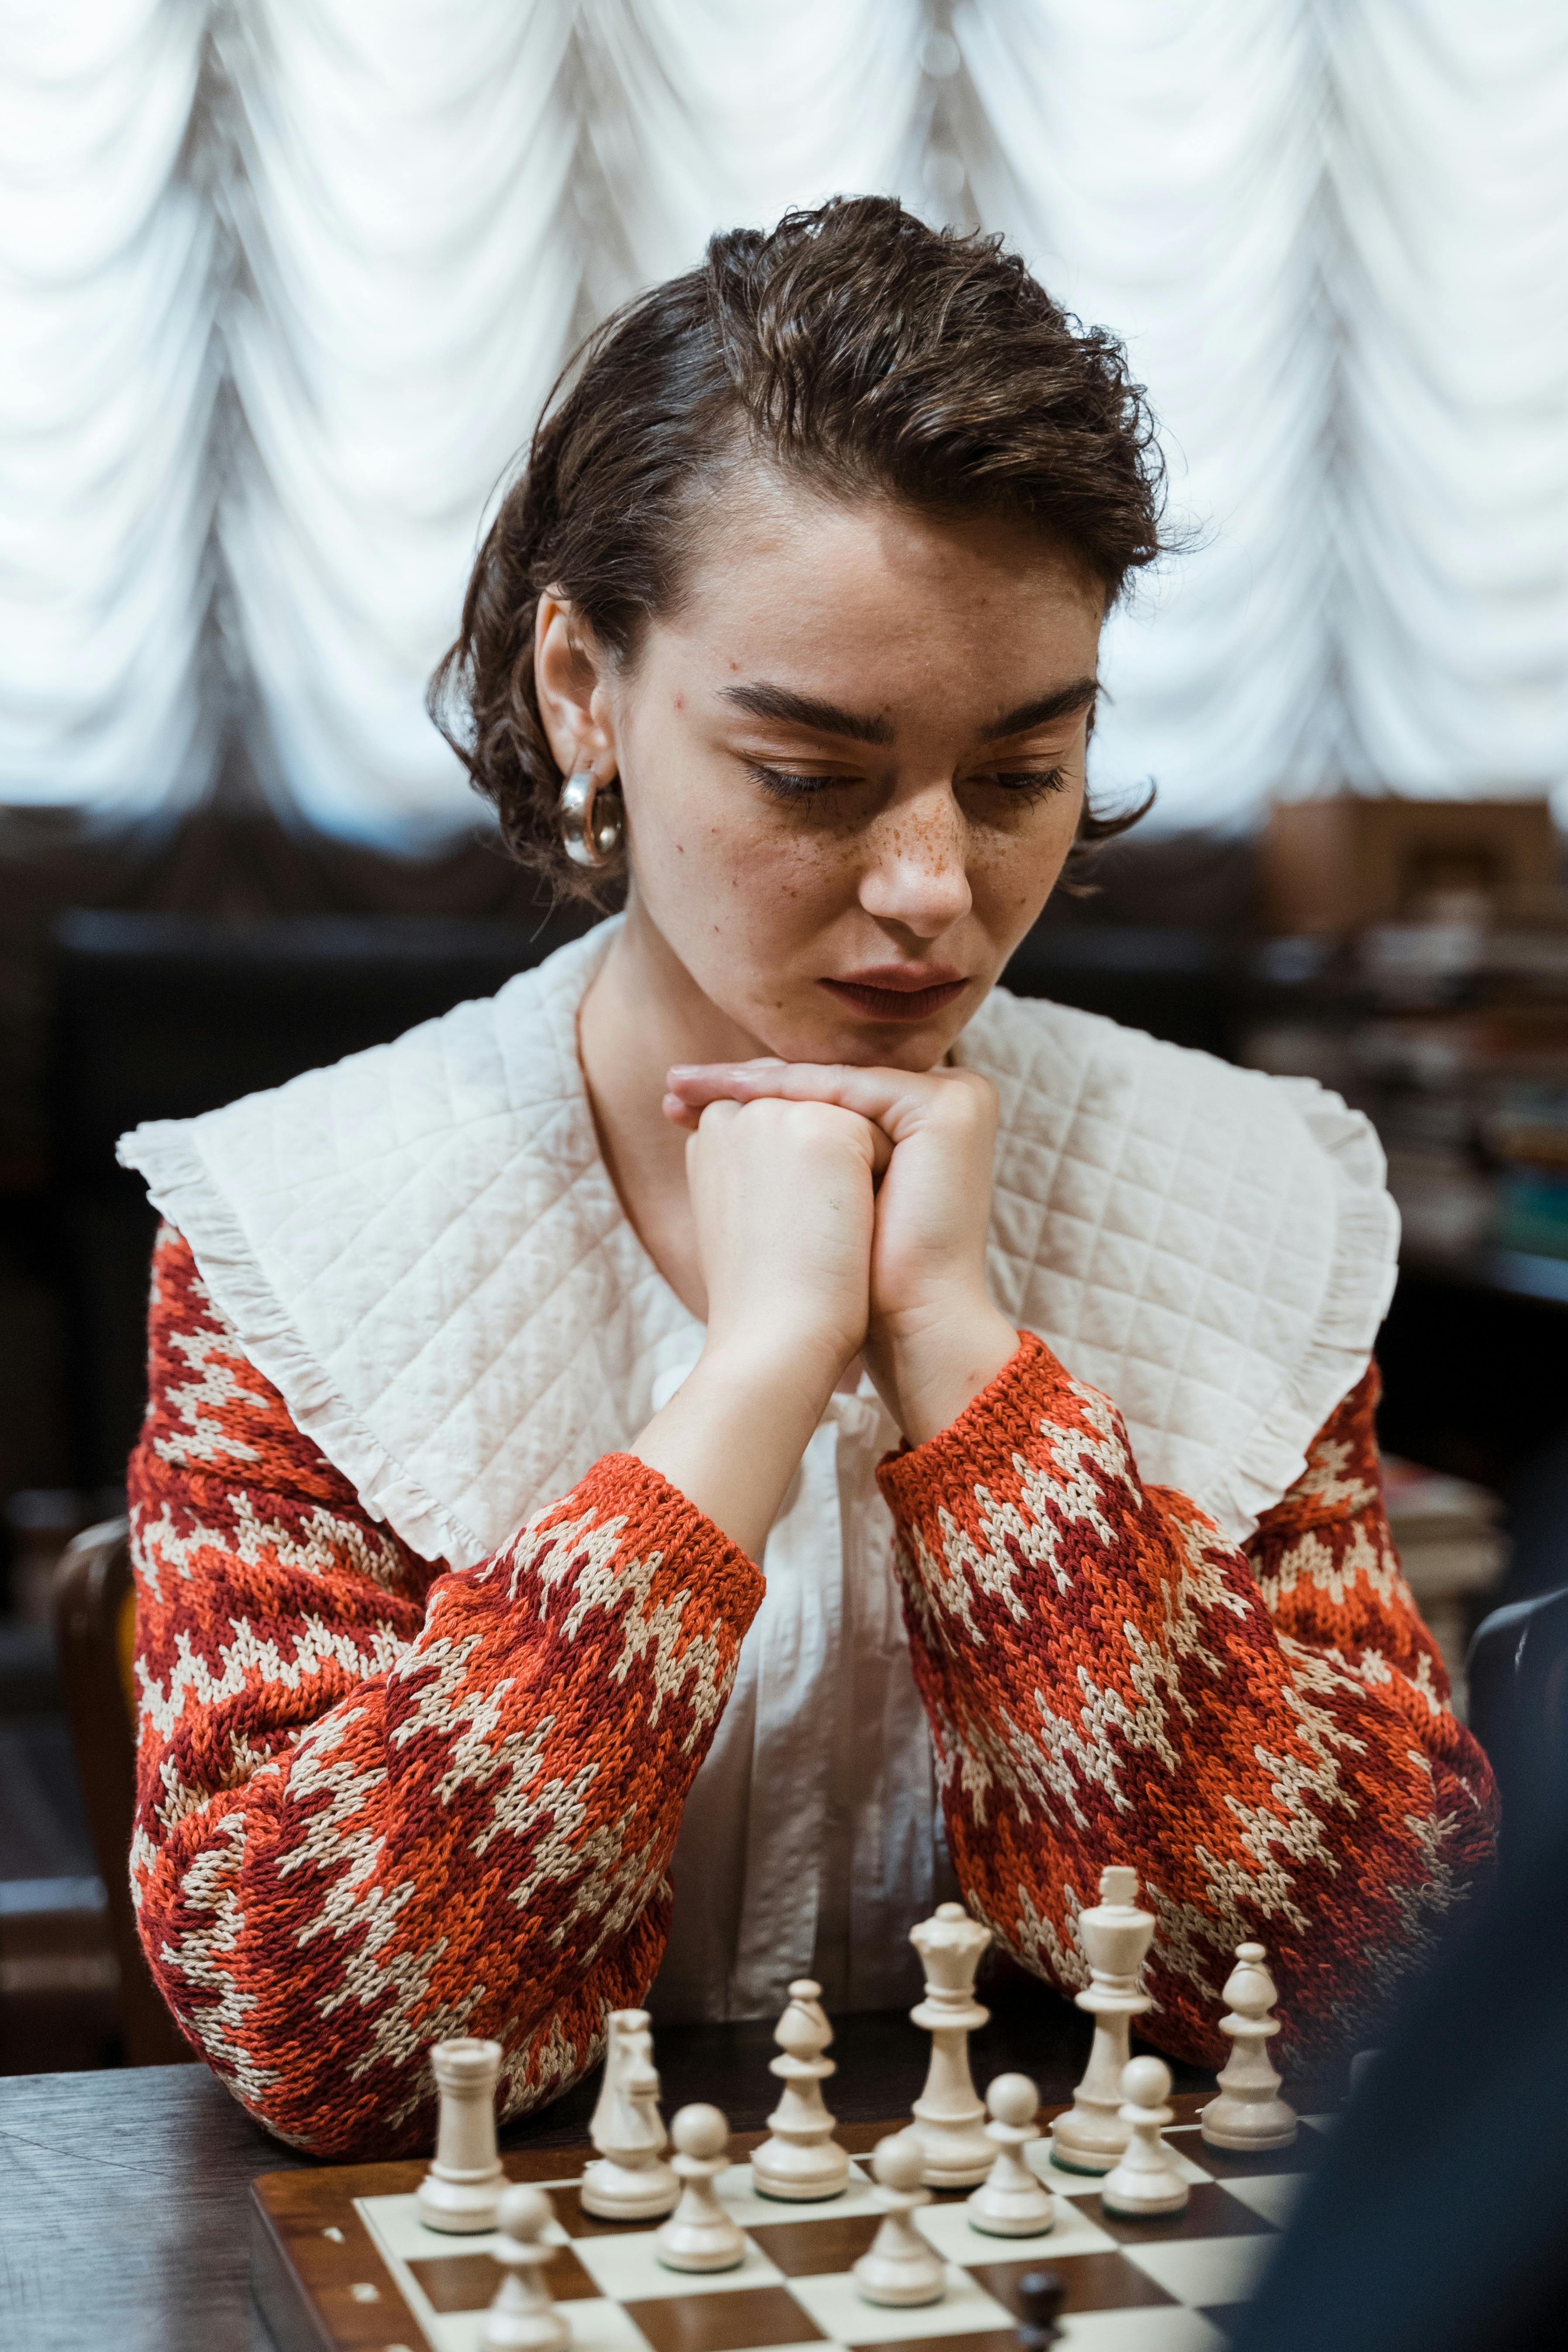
point(95, 1617)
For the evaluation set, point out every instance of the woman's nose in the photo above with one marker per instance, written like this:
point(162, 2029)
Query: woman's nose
point(916, 869)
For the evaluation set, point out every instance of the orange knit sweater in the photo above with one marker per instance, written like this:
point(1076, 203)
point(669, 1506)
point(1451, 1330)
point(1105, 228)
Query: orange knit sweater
point(381, 1801)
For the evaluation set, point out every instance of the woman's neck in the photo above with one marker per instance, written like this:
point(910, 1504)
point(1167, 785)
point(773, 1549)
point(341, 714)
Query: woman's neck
point(642, 1013)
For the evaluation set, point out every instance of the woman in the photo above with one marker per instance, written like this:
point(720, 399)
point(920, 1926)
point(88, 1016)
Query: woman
point(1028, 1358)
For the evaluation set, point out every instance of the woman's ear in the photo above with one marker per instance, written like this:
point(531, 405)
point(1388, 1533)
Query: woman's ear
point(571, 679)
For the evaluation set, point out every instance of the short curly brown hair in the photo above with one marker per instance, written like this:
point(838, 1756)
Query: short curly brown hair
point(854, 345)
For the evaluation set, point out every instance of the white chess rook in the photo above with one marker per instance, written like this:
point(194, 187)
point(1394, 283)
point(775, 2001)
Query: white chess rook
point(700, 2235)
point(1010, 2202)
point(630, 2181)
point(899, 2267)
point(522, 2317)
point(1148, 2180)
point(1115, 1936)
point(949, 2122)
point(1249, 2112)
point(459, 2192)
point(802, 2160)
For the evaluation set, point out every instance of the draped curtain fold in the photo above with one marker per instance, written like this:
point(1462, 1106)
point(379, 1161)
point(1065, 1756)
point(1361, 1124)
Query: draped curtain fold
point(107, 397)
point(284, 283)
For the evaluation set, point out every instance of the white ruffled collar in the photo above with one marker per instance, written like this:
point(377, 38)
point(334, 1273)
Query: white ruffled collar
point(422, 1248)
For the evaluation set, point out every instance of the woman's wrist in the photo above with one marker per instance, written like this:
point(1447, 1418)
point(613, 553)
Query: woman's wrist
point(933, 1361)
point(732, 1435)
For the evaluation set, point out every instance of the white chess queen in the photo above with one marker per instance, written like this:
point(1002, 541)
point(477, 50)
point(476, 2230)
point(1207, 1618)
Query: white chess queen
point(760, 1179)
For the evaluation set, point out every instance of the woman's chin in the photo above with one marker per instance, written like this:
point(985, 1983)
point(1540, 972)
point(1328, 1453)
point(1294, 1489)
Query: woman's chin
point(866, 1045)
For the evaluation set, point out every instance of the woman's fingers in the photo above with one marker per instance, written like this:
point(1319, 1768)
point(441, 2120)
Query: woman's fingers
point(896, 1101)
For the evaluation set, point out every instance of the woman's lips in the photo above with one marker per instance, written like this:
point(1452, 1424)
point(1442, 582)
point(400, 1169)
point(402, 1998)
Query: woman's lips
point(883, 1003)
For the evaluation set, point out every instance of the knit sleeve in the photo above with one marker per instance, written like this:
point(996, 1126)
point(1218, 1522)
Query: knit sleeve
point(380, 1801)
point(1265, 1734)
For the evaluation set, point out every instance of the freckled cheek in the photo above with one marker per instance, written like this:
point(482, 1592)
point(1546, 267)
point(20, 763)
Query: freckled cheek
point(782, 888)
point(1012, 879)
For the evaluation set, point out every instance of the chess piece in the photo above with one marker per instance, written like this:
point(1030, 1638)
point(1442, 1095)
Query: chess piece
point(1010, 2202)
point(700, 2235)
point(1115, 1936)
point(801, 2160)
point(459, 2191)
point(949, 2122)
point(1040, 2295)
point(1249, 2112)
point(899, 2267)
point(629, 2181)
point(523, 2318)
point(1148, 2179)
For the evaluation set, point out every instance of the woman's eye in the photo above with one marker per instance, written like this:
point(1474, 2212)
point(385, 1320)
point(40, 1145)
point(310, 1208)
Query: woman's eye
point(785, 786)
point(1027, 783)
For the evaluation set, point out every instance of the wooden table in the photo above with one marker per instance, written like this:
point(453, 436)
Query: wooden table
point(122, 2194)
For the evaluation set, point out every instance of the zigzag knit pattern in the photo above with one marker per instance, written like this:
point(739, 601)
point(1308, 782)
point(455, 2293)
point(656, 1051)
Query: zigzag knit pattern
point(1265, 1734)
point(381, 1801)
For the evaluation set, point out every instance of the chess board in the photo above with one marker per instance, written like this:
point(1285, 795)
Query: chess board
point(341, 2262)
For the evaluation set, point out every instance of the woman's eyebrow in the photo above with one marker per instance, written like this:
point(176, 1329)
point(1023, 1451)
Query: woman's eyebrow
point(805, 711)
point(1040, 712)
point(764, 701)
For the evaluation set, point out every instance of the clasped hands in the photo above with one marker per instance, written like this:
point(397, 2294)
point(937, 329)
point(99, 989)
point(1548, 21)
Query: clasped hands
point(840, 1212)
point(843, 1211)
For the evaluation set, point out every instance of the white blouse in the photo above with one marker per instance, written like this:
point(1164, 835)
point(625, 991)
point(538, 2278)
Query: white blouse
point(812, 1839)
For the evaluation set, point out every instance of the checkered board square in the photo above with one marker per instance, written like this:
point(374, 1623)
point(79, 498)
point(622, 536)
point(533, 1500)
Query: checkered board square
point(344, 2264)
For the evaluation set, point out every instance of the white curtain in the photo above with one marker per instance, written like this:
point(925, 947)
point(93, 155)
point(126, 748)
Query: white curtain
point(106, 394)
point(1162, 165)
point(1449, 169)
point(284, 282)
point(409, 275)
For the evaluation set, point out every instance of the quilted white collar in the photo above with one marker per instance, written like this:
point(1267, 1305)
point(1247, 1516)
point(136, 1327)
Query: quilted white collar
point(422, 1248)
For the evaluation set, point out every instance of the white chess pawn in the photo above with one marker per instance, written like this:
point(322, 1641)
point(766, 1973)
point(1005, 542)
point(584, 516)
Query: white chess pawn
point(802, 2160)
point(949, 2122)
point(459, 2192)
point(522, 2317)
point(630, 2181)
point(900, 2266)
point(700, 2235)
point(1249, 2112)
point(1011, 2203)
point(1148, 2179)
point(1115, 1936)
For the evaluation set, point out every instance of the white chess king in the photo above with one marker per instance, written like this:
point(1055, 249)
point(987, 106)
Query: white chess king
point(1115, 1936)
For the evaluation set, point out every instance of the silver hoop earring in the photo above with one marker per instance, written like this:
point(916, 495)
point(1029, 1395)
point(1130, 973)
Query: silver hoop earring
point(590, 830)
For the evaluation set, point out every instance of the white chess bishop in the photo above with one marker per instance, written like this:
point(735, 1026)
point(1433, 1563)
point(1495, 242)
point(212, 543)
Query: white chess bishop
point(629, 2180)
point(1249, 2112)
point(801, 2160)
point(949, 2122)
point(1115, 1936)
point(458, 2194)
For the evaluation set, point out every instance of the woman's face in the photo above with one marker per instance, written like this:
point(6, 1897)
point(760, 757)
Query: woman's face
point(852, 762)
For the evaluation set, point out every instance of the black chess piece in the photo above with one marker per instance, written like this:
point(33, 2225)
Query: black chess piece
point(1041, 2295)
